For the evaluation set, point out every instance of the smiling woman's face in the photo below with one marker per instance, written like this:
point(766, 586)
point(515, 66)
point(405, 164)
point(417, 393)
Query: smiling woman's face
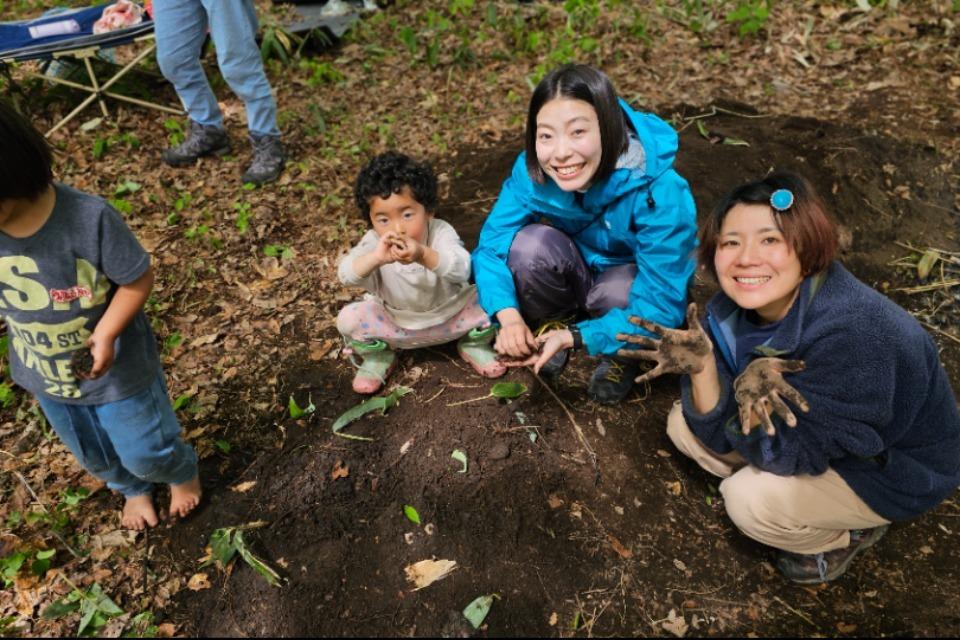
point(755, 264)
point(569, 148)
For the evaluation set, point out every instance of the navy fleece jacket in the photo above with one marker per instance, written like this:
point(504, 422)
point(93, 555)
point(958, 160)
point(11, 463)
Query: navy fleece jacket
point(882, 413)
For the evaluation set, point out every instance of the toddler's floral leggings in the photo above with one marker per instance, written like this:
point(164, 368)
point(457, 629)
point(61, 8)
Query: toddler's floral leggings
point(369, 320)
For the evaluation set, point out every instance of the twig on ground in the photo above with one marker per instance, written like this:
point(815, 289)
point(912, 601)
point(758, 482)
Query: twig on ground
point(799, 614)
point(940, 331)
point(36, 498)
point(583, 439)
point(434, 396)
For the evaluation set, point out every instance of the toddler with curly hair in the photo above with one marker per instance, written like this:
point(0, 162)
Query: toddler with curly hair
point(416, 272)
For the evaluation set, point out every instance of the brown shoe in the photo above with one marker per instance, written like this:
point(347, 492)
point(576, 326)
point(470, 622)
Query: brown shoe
point(823, 567)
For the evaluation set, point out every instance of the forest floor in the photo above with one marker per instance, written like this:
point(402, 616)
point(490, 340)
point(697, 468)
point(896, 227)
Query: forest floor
point(862, 102)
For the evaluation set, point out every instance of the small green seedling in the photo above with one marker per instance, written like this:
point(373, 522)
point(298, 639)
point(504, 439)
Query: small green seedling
point(296, 412)
point(227, 542)
point(411, 514)
point(380, 404)
point(95, 607)
point(476, 612)
point(460, 457)
point(501, 390)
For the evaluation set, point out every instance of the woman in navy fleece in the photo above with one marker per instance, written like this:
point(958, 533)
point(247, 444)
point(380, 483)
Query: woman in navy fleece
point(877, 435)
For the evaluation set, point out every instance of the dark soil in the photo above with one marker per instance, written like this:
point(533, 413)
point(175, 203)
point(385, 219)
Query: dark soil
point(570, 550)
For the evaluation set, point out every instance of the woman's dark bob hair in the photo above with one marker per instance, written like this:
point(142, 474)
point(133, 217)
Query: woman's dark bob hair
point(805, 225)
point(580, 82)
point(25, 157)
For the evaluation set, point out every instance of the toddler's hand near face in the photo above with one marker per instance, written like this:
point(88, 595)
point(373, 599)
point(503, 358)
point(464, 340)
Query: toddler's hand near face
point(385, 247)
point(406, 250)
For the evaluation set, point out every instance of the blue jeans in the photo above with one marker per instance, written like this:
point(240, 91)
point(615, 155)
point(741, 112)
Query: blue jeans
point(180, 27)
point(130, 444)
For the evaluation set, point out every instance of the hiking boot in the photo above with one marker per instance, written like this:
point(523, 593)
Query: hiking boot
point(612, 380)
point(553, 367)
point(823, 567)
point(268, 159)
point(475, 348)
point(202, 141)
point(378, 363)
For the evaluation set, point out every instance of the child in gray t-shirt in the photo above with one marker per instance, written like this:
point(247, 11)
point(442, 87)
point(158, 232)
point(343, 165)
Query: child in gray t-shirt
point(74, 278)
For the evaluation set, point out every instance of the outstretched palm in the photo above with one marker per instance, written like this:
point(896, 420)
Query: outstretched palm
point(759, 389)
point(676, 351)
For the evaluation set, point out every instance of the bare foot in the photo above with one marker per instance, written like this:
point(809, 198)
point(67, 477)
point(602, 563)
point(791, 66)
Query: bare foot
point(138, 513)
point(185, 497)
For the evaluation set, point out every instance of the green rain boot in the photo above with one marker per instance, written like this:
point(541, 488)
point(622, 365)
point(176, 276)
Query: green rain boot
point(378, 362)
point(476, 349)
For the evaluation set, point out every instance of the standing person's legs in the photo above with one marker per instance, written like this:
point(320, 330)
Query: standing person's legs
point(233, 26)
point(181, 27)
point(551, 277)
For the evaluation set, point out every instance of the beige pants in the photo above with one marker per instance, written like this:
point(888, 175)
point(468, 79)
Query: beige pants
point(803, 514)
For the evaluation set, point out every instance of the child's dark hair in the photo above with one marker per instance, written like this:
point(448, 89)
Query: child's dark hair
point(805, 225)
point(25, 157)
point(580, 82)
point(389, 173)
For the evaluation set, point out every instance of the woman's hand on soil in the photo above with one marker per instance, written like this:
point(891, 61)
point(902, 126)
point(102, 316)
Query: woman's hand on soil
point(677, 350)
point(761, 387)
point(550, 343)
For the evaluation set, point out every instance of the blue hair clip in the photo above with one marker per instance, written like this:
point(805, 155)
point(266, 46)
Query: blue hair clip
point(781, 200)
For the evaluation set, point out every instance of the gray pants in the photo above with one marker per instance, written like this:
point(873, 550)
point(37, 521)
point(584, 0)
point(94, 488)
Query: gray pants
point(553, 281)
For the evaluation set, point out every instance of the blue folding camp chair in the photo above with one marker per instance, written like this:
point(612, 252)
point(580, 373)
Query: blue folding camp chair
point(70, 34)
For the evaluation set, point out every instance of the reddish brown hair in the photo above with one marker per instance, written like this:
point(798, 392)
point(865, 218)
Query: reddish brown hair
point(805, 225)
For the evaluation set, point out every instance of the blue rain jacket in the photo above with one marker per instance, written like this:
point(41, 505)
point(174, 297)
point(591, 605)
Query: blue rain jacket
point(642, 215)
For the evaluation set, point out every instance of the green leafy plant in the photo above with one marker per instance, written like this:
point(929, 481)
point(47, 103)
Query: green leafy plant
point(476, 612)
point(228, 542)
point(176, 135)
point(95, 607)
point(411, 514)
point(278, 251)
point(501, 390)
point(295, 410)
point(381, 404)
point(243, 215)
point(460, 456)
point(750, 16)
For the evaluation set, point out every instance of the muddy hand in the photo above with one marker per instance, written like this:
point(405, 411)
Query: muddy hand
point(761, 390)
point(677, 350)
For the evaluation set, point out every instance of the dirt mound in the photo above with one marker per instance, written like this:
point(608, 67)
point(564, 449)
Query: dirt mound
point(639, 546)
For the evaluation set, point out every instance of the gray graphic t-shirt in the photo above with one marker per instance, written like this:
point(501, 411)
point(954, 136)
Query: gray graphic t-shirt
point(55, 286)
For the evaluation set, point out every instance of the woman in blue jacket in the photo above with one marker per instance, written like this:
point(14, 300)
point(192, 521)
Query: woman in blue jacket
point(592, 222)
point(877, 437)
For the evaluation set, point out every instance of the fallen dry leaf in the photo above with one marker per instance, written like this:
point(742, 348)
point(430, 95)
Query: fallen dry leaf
point(677, 625)
point(198, 582)
point(339, 470)
point(554, 501)
point(243, 487)
point(674, 487)
point(623, 552)
point(553, 619)
point(426, 572)
point(843, 627)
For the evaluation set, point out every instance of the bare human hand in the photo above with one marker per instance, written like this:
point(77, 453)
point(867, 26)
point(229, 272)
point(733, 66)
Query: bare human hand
point(514, 339)
point(677, 350)
point(102, 351)
point(405, 250)
point(759, 389)
point(384, 249)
